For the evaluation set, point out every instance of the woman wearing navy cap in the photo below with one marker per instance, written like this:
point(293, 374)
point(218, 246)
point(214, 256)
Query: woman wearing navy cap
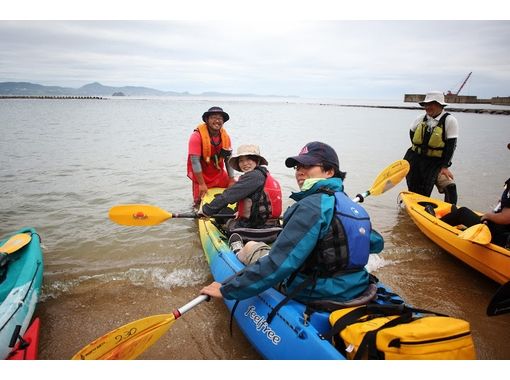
point(319, 255)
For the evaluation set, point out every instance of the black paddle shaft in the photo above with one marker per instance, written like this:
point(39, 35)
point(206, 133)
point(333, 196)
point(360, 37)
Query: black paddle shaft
point(194, 215)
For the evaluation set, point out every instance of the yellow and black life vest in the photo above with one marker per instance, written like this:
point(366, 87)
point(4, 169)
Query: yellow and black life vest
point(430, 143)
point(207, 144)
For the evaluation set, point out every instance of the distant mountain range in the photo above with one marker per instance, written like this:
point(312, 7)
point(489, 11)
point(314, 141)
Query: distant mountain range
point(96, 89)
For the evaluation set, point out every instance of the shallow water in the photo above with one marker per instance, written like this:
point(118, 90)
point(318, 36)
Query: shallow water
point(64, 163)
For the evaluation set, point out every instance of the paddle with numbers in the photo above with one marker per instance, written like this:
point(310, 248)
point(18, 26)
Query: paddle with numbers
point(131, 340)
point(147, 215)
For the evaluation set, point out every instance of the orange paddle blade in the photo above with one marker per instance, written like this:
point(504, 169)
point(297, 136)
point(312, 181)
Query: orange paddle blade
point(138, 215)
point(390, 177)
point(479, 234)
point(15, 243)
point(129, 341)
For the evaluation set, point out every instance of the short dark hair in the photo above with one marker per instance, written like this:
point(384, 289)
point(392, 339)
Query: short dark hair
point(338, 173)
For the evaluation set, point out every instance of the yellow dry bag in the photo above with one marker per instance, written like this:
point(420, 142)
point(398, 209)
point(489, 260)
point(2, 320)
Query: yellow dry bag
point(397, 332)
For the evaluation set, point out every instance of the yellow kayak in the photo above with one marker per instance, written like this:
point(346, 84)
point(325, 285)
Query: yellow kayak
point(489, 259)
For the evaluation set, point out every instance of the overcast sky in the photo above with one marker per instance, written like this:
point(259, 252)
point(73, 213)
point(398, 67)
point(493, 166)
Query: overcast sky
point(333, 59)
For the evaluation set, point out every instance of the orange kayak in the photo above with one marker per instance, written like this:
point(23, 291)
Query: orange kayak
point(490, 259)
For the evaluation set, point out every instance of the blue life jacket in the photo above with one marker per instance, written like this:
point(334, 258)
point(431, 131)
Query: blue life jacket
point(346, 246)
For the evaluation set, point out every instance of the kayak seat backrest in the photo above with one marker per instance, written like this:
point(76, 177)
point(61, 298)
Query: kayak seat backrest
point(435, 209)
point(267, 235)
point(369, 295)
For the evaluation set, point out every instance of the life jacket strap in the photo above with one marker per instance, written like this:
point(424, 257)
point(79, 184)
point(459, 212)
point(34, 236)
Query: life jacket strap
point(230, 324)
point(290, 296)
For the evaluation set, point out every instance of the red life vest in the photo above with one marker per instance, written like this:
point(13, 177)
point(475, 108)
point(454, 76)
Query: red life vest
point(265, 203)
point(274, 194)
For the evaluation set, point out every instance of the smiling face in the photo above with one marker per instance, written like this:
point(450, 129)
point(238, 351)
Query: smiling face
point(214, 123)
point(247, 164)
point(304, 172)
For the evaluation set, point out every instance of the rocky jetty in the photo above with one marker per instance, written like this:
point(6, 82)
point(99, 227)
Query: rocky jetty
point(449, 109)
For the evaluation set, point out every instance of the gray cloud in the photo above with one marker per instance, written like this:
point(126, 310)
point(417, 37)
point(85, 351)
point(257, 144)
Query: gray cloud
point(346, 59)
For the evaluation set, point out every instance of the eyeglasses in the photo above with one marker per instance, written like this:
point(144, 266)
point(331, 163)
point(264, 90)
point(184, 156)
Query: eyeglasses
point(306, 167)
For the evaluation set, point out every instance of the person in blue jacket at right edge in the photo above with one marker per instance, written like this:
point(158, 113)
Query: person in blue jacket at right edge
point(325, 243)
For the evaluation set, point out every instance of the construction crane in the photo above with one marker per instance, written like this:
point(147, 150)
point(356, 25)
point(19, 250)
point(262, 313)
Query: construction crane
point(461, 86)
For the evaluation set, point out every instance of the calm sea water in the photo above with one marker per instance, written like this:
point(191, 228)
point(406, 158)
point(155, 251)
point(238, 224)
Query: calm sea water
point(64, 163)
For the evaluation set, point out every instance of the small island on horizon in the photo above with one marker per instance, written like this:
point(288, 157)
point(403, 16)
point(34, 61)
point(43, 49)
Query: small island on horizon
point(26, 90)
point(96, 89)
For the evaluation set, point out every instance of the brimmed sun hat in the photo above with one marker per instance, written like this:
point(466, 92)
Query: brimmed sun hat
point(433, 96)
point(246, 150)
point(213, 110)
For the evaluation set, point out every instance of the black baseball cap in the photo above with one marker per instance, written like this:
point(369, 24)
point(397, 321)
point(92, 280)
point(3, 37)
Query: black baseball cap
point(314, 153)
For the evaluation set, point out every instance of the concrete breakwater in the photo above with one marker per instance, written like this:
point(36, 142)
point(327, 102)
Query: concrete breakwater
point(449, 109)
point(465, 99)
point(49, 97)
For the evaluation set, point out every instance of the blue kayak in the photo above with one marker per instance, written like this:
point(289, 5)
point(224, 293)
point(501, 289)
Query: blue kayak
point(20, 288)
point(289, 335)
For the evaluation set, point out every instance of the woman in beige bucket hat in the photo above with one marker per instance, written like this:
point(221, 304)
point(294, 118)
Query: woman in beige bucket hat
point(257, 194)
point(252, 152)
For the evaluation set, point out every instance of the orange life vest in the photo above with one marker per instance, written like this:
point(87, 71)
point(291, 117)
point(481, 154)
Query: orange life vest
point(207, 152)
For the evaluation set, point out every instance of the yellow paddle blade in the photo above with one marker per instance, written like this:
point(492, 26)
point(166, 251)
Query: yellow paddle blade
point(15, 242)
point(138, 215)
point(479, 234)
point(389, 177)
point(129, 341)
